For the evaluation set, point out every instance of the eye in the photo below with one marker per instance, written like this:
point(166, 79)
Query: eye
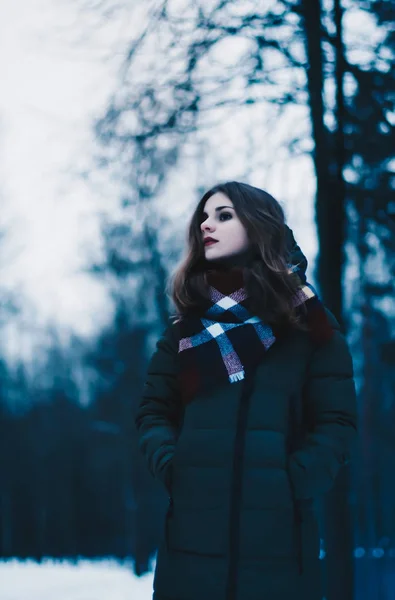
point(226, 215)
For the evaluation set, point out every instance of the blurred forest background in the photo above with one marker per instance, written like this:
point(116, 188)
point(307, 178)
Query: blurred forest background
point(204, 91)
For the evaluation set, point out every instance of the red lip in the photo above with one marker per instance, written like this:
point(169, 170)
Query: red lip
point(208, 241)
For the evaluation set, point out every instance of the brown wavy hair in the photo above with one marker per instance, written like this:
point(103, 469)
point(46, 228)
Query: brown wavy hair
point(269, 284)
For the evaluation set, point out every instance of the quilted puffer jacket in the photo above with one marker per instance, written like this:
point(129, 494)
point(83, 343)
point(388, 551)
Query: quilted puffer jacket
point(243, 465)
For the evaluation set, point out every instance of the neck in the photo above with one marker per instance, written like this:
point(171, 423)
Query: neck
point(226, 263)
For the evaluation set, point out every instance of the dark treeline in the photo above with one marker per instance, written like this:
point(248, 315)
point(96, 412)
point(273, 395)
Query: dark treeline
point(70, 475)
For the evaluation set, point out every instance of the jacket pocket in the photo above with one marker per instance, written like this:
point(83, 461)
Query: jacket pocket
point(168, 516)
point(168, 476)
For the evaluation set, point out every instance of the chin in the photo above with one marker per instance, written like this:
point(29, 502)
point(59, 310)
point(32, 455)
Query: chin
point(212, 255)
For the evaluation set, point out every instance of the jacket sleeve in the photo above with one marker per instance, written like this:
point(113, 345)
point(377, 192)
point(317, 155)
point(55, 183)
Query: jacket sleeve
point(158, 414)
point(332, 416)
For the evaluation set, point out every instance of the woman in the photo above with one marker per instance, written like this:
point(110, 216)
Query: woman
point(248, 410)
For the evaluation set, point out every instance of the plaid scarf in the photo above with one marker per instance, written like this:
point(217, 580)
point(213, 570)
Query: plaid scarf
point(227, 342)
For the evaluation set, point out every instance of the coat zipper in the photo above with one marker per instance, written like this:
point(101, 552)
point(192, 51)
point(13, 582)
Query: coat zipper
point(235, 507)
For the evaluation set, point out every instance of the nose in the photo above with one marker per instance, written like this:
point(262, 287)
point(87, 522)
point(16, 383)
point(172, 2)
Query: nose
point(207, 226)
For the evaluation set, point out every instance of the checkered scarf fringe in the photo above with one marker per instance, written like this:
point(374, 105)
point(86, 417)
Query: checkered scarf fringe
point(227, 342)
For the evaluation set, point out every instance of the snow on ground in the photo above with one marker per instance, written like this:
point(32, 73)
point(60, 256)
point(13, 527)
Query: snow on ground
point(85, 580)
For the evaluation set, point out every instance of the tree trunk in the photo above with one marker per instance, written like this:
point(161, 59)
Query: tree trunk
point(330, 219)
point(338, 517)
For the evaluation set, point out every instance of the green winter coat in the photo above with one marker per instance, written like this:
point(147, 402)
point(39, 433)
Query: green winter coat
point(243, 465)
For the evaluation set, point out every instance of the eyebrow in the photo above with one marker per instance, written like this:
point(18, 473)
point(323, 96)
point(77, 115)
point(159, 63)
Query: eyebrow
point(219, 208)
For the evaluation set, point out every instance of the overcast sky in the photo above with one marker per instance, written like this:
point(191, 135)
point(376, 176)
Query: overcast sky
point(54, 81)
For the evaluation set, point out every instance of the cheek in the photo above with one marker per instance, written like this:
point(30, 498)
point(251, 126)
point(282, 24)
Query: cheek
point(239, 234)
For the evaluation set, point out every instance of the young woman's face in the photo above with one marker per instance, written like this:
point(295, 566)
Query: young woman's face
point(221, 223)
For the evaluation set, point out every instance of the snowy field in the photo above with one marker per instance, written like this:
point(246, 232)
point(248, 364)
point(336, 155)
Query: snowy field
point(108, 580)
point(101, 580)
